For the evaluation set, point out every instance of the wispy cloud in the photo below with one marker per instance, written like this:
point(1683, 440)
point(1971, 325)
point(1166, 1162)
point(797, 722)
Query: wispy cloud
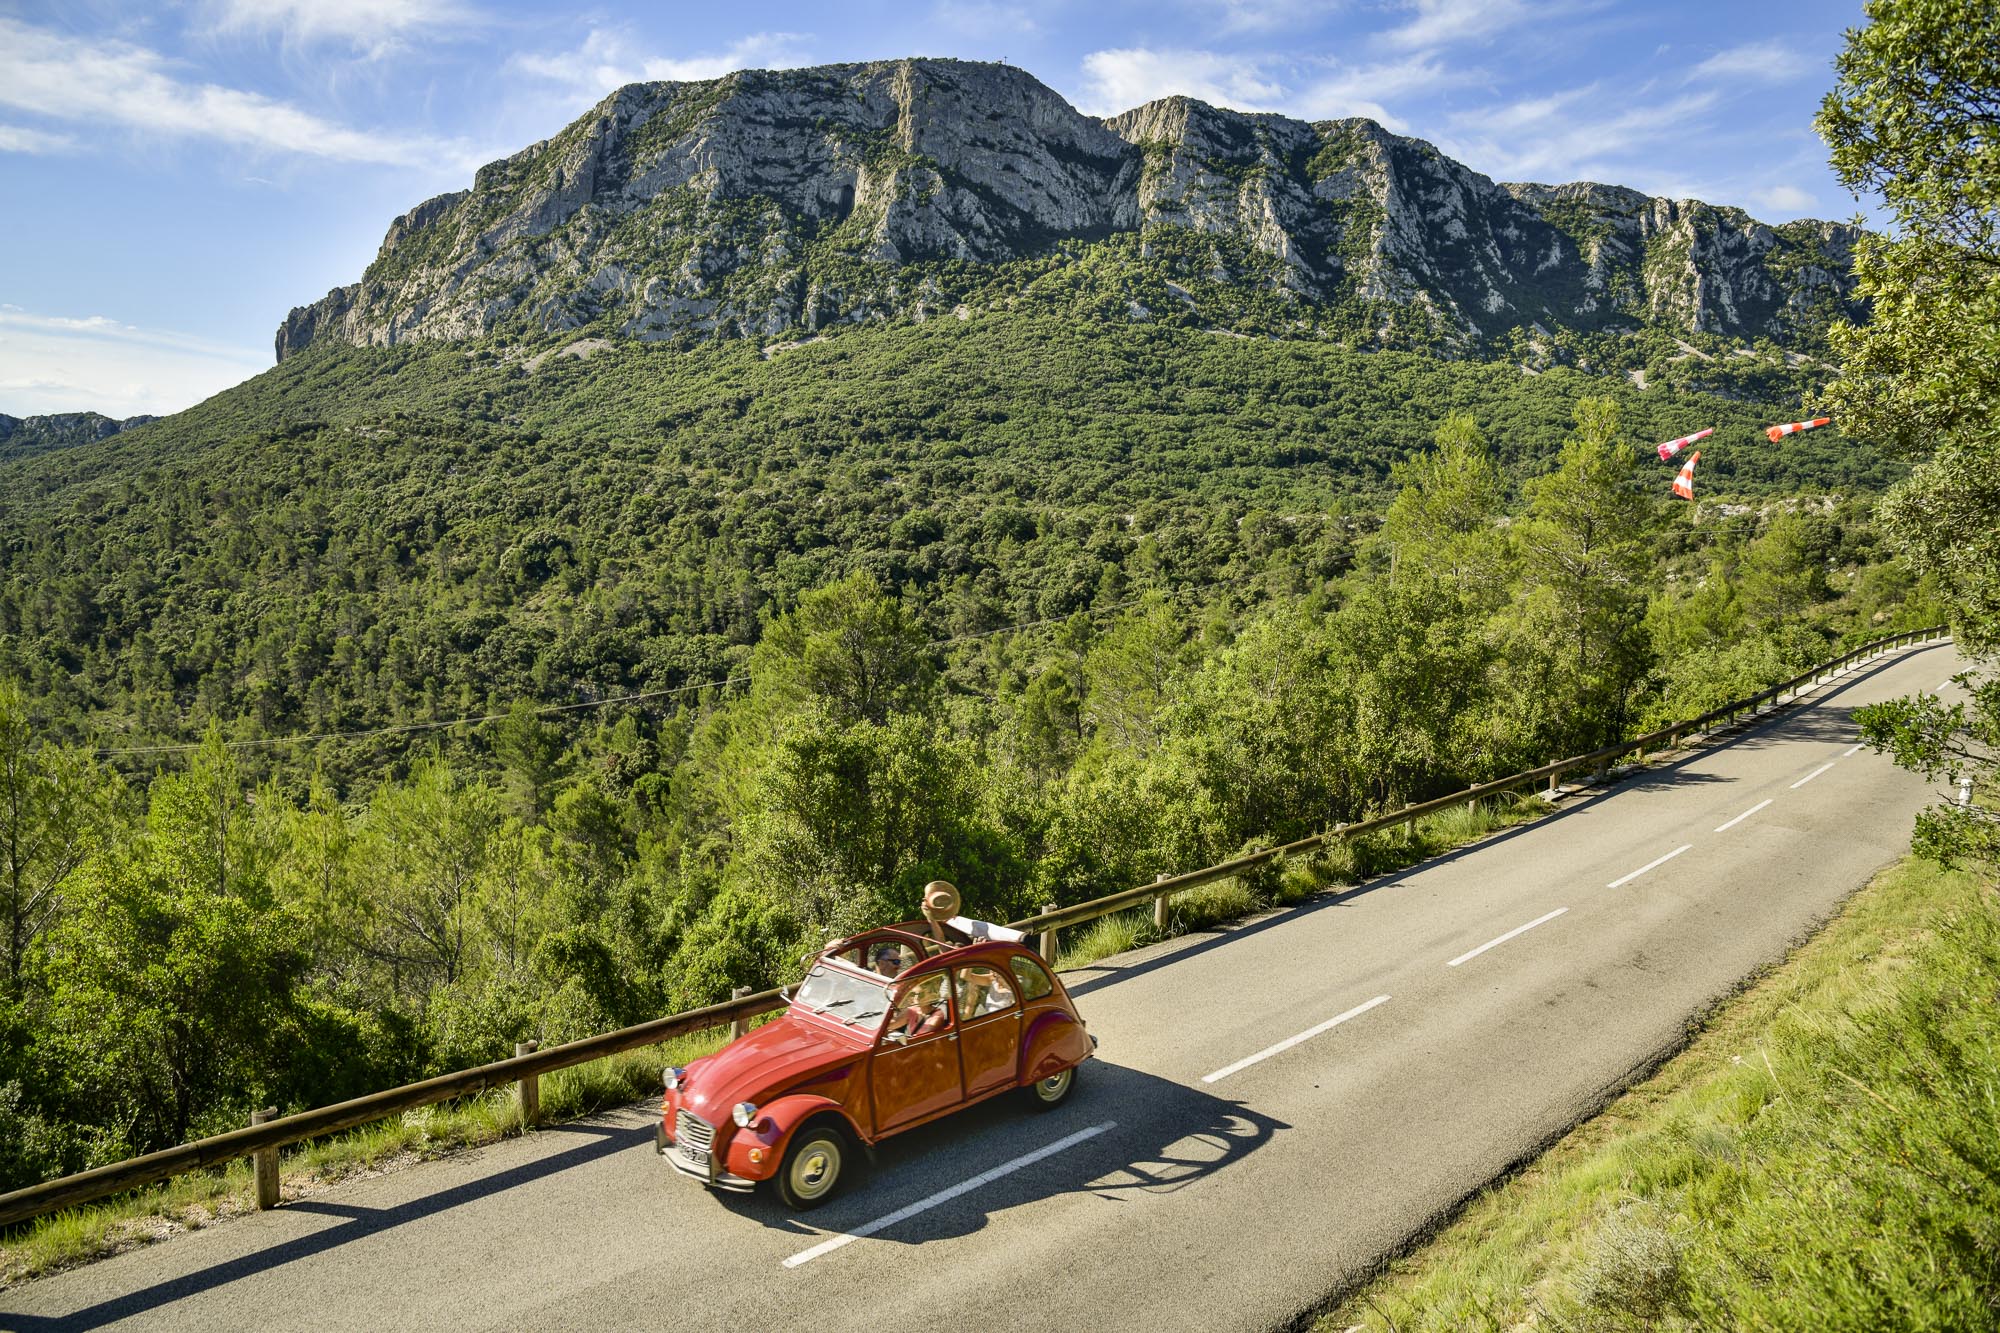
point(1766, 62)
point(113, 83)
point(374, 28)
point(19, 139)
point(1263, 15)
point(61, 364)
point(1439, 23)
point(1312, 88)
point(1589, 132)
point(984, 18)
point(608, 59)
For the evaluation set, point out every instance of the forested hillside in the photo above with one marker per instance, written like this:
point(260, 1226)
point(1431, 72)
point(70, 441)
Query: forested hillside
point(1037, 606)
point(364, 538)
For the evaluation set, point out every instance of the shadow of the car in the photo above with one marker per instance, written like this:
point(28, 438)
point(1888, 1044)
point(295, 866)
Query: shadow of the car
point(1166, 1136)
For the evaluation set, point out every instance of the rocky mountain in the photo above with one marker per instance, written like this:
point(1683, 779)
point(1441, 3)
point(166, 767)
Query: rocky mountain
point(22, 436)
point(776, 204)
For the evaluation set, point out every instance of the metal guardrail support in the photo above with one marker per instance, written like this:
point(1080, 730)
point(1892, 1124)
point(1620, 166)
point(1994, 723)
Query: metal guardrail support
point(528, 1092)
point(264, 1164)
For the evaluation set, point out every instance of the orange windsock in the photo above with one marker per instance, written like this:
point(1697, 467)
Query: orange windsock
point(1780, 432)
point(1684, 483)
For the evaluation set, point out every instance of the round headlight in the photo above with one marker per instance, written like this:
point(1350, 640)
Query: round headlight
point(744, 1114)
point(672, 1076)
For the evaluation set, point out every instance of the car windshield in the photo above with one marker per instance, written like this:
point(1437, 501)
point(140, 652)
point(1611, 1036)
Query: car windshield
point(840, 994)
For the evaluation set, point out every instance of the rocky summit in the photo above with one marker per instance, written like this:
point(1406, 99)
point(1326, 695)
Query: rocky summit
point(777, 204)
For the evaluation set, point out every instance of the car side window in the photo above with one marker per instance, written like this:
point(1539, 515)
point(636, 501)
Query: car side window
point(983, 991)
point(1035, 983)
point(922, 1009)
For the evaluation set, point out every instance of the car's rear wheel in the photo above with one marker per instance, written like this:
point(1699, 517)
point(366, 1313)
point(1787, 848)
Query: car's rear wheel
point(1051, 1092)
point(813, 1166)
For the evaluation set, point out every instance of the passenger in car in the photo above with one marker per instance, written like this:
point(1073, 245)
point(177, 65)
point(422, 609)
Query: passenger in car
point(888, 959)
point(924, 1010)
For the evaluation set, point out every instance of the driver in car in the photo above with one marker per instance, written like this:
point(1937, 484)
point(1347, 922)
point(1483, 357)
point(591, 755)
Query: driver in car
point(888, 959)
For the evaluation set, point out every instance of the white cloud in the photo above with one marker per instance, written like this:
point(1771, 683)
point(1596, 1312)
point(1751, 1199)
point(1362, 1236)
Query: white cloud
point(1785, 199)
point(117, 84)
point(1310, 88)
point(19, 139)
point(374, 27)
point(607, 60)
point(1763, 62)
point(59, 364)
point(1119, 80)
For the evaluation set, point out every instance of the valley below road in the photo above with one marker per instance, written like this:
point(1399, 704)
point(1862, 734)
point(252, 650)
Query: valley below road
point(1276, 1105)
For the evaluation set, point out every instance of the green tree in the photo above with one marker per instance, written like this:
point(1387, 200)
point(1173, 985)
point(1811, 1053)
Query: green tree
point(849, 646)
point(1913, 118)
point(55, 805)
point(1576, 634)
point(425, 845)
point(1441, 522)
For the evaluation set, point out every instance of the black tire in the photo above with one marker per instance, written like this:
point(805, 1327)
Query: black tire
point(1046, 1094)
point(819, 1158)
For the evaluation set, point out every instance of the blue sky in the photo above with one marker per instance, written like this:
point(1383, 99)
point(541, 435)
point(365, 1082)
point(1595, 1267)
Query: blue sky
point(175, 177)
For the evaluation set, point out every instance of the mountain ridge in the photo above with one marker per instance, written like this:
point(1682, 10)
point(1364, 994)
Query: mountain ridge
point(763, 204)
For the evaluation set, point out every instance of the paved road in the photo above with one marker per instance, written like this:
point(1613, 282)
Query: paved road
point(1233, 1155)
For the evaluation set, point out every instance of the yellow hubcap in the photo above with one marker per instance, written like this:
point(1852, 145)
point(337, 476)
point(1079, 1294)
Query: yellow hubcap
point(1052, 1087)
point(815, 1170)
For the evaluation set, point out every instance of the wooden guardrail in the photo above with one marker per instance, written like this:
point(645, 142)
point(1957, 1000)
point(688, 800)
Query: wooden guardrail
point(266, 1134)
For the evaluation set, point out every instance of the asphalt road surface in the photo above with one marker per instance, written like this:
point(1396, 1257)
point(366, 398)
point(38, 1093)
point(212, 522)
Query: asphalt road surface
point(1274, 1106)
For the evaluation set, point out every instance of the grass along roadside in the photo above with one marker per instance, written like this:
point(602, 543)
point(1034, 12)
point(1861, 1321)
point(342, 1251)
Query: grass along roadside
point(199, 1199)
point(1822, 1156)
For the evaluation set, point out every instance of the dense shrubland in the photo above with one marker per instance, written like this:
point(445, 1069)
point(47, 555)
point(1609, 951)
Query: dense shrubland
point(1110, 669)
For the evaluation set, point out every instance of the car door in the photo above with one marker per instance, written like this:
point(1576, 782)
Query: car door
point(989, 1025)
point(918, 1076)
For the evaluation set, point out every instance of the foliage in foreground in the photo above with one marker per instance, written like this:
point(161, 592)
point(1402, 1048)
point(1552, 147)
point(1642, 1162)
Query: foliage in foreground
point(1822, 1157)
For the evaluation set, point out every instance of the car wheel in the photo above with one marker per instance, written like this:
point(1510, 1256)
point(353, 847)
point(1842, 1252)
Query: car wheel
point(813, 1166)
point(1049, 1093)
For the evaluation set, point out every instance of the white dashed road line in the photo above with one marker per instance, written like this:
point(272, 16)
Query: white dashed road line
point(931, 1201)
point(1468, 957)
point(1290, 1042)
point(1650, 865)
point(1745, 815)
point(1810, 776)
point(1852, 749)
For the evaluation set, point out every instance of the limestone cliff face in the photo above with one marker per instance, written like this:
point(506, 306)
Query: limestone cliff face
point(766, 203)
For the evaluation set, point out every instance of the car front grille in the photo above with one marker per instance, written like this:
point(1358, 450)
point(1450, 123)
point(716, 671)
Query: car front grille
point(694, 1136)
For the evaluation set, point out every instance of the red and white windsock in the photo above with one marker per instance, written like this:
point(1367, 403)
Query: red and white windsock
point(1672, 447)
point(1684, 484)
point(1791, 427)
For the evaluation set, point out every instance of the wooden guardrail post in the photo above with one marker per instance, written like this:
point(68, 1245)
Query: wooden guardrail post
point(1555, 779)
point(1160, 905)
point(739, 1027)
point(1048, 940)
point(528, 1095)
point(264, 1164)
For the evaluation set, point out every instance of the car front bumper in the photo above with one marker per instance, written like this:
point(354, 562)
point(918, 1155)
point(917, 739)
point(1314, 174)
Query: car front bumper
point(706, 1171)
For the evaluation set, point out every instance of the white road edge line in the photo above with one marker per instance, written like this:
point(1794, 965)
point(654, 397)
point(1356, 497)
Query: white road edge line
point(1650, 865)
point(929, 1202)
point(1947, 685)
point(1468, 957)
point(1290, 1042)
point(1745, 815)
point(1810, 776)
point(1852, 749)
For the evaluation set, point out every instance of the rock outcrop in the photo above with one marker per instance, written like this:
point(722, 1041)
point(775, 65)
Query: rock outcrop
point(779, 203)
point(22, 436)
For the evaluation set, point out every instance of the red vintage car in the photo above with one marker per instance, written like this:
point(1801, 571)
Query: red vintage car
point(889, 1030)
